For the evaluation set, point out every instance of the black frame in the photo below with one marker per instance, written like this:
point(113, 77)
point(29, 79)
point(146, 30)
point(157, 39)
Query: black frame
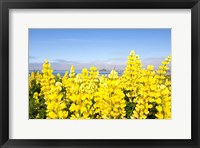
point(5, 5)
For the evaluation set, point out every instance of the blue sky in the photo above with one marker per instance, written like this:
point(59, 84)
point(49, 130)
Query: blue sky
point(103, 48)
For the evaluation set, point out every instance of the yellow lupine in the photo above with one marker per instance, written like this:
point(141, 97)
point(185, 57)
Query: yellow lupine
point(56, 107)
point(109, 100)
point(88, 95)
point(81, 93)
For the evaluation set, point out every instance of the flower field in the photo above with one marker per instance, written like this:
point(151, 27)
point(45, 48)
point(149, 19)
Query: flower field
point(137, 94)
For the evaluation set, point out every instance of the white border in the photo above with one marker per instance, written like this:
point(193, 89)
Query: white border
point(177, 128)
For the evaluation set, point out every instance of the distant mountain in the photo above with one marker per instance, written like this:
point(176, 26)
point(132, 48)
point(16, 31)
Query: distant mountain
point(103, 69)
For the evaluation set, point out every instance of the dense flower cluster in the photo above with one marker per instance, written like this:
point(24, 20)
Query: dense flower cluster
point(138, 93)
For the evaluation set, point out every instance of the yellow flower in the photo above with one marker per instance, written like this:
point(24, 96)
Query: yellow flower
point(52, 115)
point(159, 108)
point(88, 95)
point(162, 86)
point(150, 67)
point(158, 101)
point(62, 114)
point(72, 107)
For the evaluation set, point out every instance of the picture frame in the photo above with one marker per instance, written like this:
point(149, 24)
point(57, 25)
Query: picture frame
point(5, 5)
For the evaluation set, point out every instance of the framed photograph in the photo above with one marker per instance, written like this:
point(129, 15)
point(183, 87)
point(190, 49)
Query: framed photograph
point(99, 73)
